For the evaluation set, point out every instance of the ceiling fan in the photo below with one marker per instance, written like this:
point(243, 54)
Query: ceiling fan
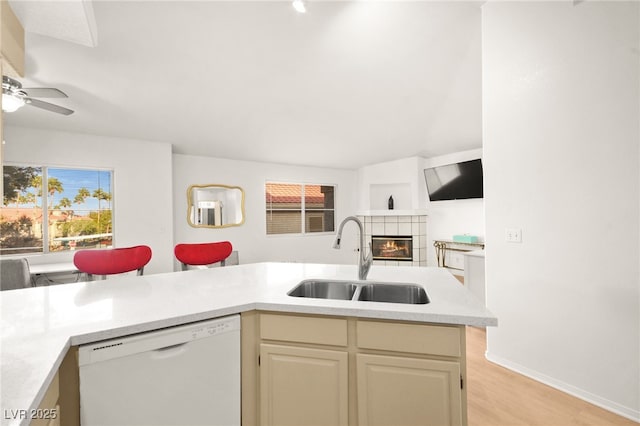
point(15, 96)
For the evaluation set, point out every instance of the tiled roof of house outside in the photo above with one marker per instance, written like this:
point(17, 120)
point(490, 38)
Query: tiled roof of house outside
point(292, 193)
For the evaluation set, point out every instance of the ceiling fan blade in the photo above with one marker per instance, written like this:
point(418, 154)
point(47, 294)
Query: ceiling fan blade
point(49, 107)
point(44, 92)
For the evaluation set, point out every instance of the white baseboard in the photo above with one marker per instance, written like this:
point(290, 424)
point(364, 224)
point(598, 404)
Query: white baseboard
point(604, 403)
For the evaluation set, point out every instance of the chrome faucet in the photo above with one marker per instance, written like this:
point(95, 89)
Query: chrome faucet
point(364, 262)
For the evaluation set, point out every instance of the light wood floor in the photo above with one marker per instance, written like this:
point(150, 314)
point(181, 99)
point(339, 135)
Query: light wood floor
point(500, 397)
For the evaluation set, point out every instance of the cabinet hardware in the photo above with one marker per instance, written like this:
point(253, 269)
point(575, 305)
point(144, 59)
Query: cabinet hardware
point(461, 382)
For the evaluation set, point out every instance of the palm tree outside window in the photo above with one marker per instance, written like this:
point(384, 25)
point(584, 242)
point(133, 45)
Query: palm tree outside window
point(77, 202)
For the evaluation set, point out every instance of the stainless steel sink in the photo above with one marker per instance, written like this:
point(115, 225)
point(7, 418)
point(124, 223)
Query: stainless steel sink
point(324, 289)
point(394, 293)
point(366, 291)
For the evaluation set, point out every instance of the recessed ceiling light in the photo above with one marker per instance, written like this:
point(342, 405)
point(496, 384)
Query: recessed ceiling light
point(299, 6)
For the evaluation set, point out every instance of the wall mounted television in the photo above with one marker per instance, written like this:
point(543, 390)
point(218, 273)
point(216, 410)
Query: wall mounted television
point(455, 181)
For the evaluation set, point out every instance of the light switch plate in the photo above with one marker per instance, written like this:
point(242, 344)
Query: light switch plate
point(513, 235)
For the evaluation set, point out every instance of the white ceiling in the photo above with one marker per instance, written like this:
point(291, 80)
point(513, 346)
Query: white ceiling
point(345, 85)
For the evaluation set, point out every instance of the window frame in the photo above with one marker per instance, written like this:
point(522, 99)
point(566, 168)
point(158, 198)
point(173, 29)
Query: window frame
point(45, 203)
point(302, 210)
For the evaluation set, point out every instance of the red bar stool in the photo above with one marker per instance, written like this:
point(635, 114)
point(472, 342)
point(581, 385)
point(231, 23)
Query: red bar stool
point(203, 253)
point(112, 261)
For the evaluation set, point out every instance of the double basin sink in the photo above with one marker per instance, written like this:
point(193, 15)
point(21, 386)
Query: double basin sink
point(366, 291)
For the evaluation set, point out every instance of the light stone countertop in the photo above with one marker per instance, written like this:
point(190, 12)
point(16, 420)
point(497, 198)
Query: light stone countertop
point(40, 324)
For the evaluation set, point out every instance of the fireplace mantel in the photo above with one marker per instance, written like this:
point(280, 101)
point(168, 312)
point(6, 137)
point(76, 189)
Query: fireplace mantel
point(392, 213)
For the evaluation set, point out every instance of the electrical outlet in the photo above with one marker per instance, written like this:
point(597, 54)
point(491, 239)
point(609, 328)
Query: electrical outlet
point(513, 235)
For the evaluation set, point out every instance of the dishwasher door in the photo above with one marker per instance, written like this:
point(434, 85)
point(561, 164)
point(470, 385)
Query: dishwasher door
point(185, 375)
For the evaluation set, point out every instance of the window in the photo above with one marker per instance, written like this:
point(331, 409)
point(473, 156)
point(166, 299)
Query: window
point(299, 208)
point(77, 203)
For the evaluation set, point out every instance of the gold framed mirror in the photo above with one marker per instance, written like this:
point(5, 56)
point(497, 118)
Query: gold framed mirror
point(215, 206)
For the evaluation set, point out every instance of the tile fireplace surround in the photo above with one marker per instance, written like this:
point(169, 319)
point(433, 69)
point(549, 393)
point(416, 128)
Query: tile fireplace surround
point(393, 226)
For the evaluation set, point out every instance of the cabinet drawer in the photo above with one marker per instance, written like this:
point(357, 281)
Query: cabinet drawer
point(301, 329)
point(413, 338)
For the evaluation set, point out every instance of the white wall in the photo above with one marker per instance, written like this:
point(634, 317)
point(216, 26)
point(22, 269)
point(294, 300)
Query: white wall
point(143, 213)
point(451, 217)
point(251, 239)
point(400, 178)
point(561, 154)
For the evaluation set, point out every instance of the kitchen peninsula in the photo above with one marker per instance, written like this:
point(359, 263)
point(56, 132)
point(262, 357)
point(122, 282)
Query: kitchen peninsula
point(40, 325)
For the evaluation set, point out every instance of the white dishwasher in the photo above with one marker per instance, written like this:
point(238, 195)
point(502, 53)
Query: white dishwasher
point(184, 375)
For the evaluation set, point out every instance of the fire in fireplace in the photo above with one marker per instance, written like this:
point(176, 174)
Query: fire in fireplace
point(392, 248)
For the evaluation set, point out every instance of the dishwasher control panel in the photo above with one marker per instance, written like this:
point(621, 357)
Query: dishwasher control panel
point(213, 329)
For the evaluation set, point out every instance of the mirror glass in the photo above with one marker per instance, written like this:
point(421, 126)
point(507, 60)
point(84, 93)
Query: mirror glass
point(215, 206)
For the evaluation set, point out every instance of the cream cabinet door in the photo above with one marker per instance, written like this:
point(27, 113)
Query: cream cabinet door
point(303, 386)
point(408, 391)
